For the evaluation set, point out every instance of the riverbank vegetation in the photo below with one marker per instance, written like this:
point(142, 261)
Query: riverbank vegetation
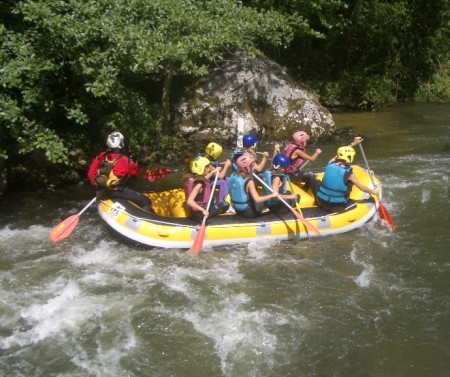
point(73, 70)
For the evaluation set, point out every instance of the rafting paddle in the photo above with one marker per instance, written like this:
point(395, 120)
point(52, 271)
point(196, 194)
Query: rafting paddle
point(297, 204)
point(296, 214)
point(66, 227)
point(197, 246)
point(382, 211)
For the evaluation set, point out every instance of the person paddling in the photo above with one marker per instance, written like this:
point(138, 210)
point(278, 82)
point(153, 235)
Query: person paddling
point(277, 179)
point(213, 152)
point(333, 192)
point(296, 152)
point(110, 170)
point(197, 189)
point(245, 198)
point(249, 145)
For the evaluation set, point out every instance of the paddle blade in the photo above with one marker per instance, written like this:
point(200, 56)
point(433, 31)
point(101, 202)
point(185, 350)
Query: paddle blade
point(385, 216)
point(307, 224)
point(64, 229)
point(156, 174)
point(198, 242)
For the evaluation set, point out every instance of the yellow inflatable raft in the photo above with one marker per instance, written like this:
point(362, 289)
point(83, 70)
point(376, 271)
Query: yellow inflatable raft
point(170, 227)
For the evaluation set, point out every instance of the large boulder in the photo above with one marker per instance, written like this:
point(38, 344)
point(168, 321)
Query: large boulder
point(257, 91)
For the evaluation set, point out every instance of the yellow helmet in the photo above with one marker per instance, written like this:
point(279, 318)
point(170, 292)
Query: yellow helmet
point(346, 154)
point(198, 165)
point(214, 150)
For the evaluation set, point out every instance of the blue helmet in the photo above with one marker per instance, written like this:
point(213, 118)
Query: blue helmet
point(234, 156)
point(280, 161)
point(250, 140)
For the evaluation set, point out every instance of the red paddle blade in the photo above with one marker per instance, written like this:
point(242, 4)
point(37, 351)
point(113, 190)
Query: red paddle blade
point(64, 229)
point(156, 174)
point(198, 242)
point(308, 225)
point(384, 216)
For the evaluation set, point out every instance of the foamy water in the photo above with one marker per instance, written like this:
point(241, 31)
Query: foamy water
point(370, 302)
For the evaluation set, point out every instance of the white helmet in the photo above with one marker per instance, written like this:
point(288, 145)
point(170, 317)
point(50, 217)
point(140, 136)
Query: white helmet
point(115, 140)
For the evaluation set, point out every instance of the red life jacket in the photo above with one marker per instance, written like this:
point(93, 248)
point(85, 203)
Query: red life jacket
point(104, 172)
point(296, 163)
point(203, 196)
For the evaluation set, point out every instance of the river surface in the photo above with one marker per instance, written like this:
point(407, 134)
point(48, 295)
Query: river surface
point(366, 303)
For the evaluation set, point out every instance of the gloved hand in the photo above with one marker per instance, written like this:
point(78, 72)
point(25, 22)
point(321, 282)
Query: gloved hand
point(113, 184)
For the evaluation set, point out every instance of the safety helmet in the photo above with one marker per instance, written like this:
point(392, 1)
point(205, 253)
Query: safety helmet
point(214, 150)
point(300, 138)
point(244, 162)
point(115, 140)
point(280, 161)
point(346, 154)
point(249, 141)
point(198, 165)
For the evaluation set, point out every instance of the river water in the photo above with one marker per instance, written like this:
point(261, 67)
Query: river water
point(366, 303)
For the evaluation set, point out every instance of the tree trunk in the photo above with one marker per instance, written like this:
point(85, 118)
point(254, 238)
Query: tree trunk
point(165, 127)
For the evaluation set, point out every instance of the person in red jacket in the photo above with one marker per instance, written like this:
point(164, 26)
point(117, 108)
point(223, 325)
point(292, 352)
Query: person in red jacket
point(110, 171)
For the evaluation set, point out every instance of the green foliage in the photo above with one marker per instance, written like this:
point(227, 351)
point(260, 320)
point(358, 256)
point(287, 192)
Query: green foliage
point(71, 70)
point(437, 89)
point(69, 65)
point(400, 43)
point(35, 138)
point(358, 92)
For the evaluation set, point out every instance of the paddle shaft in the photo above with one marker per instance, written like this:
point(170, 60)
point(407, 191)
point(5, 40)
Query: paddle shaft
point(367, 164)
point(383, 212)
point(296, 214)
point(279, 152)
point(297, 204)
point(198, 242)
point(212, 193)
point(87, 206)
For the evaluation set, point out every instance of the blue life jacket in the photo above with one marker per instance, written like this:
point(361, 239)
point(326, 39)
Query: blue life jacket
point(237, 186)
point(335, 188)
point(268, 177)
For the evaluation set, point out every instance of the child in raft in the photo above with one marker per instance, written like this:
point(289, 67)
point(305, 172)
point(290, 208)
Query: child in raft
point(333, 191)
point(213, 152)
point(296, 153)
point(249, 145)
point(197, 188)
point(277, 179)
point(245, 198)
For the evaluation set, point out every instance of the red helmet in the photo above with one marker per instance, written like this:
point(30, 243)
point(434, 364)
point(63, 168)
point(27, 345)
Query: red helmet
point(300, 138)
point(244, 162)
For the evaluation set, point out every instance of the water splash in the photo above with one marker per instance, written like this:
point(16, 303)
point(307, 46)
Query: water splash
point(426, 194)
point(47, 319)
point(364, 278)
